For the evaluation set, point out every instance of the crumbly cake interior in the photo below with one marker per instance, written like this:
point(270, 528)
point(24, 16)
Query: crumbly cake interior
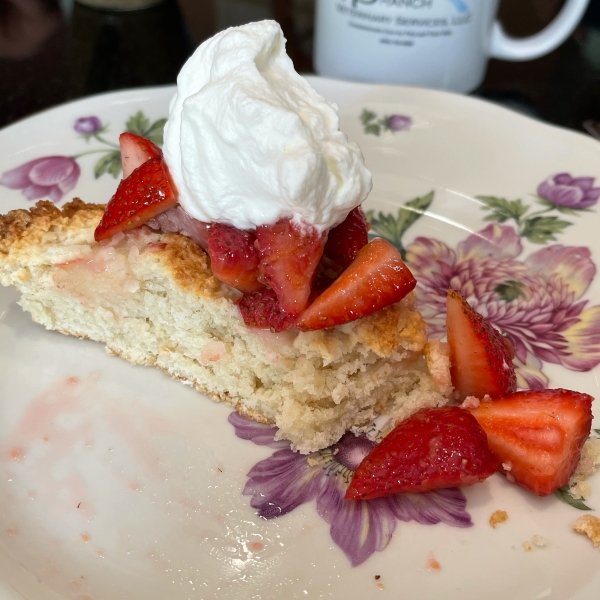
point(151, 298)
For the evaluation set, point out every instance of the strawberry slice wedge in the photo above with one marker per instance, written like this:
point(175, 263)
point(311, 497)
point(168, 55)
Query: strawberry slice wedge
point(537, 435)
point(345, 240)
point(434, 448)
point(289, 255)
point(135, 151)
point(481, 358)
point(234, 259)
point(147, 192)
point(262, 310)
point(376, 278)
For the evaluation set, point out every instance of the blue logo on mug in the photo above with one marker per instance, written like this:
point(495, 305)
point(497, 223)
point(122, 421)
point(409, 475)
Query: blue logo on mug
point(460, 5)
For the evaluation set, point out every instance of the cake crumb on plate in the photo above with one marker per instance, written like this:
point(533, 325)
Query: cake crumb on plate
point(579, 488)
point(470, 402)
point(537, 541)
point(498, 516)
point(589, 525)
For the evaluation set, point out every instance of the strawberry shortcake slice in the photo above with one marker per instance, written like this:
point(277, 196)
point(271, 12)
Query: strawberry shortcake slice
point(237, 258)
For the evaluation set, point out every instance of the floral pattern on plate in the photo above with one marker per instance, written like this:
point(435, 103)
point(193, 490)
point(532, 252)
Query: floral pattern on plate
point(52, 177)
point(375, 125)
point(562, 193)
point(537, 301)
point(285, 480)
point(48, 177)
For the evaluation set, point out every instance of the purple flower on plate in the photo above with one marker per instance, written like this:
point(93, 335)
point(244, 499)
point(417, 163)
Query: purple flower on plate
point(536, 301)
point(569, 192)
point(87, 125)
point(47, 177)
point(285, 480)
point(399, 122)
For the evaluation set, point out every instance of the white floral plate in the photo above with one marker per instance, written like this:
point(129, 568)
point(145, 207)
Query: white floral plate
point(119, 483)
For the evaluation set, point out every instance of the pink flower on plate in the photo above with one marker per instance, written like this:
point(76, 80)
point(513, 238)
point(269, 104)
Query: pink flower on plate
point(536, 301)
point(569, 192)
point(47, 177)
point(285, 480)
point(399, 122)
point(87, 125)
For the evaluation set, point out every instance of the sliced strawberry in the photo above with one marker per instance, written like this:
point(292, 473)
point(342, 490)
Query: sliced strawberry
point(147, 192)
point(135, 151)
point(345, 240)
point(262, 310)
point(234, 259)
point(289, 254)
point(481, 358)
point(537, 435)
point(434, 448)
point(377, 278)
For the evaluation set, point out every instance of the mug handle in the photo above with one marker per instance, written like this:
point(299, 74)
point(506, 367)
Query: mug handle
point(509, 48)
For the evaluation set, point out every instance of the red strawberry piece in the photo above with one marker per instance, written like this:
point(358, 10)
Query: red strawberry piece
point(345, 240)
point(481, 358)
point(434, 448)
point(234, 259)
point(147, 192)
point(289, 255)
point(135, 151)
point(376, 278)
point(262, 310)
point(537, 435)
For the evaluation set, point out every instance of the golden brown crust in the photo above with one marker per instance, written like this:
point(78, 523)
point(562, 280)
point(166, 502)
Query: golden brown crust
point(188, 265)
point(392, 327)
point(186, 262)
point(31, 225)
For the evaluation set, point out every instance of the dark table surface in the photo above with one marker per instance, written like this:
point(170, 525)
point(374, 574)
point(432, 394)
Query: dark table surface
point(52, 51)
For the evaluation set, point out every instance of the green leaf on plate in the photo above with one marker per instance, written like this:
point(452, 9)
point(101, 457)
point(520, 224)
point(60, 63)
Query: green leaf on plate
point(109, 163)
point(140, 124)
point(502, 209)
point(564, 495)
point(373, 128)
point(155, 132)
point(541, 230)
point(367, 116)
point(392, 228)
point(597, 432)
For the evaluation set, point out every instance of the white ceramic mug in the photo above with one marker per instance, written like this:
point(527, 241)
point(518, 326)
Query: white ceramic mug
point(442, 44)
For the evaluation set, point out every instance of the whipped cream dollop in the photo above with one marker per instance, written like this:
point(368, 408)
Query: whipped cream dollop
point(249, 141)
